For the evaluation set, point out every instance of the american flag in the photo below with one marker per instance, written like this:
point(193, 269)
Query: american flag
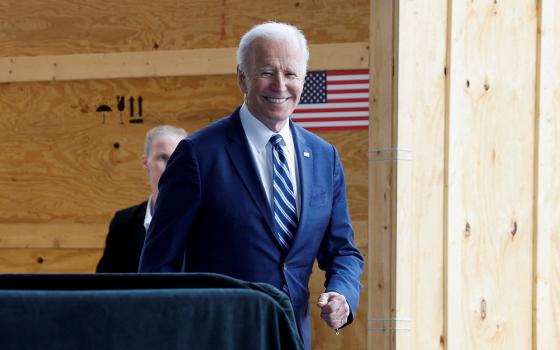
point(334, 100)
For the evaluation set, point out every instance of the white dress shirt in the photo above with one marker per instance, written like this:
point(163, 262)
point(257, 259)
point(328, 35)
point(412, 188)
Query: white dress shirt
point(259, 136)
point(148, 216)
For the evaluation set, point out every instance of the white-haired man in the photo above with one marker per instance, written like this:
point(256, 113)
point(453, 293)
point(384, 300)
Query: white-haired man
point(265, 197)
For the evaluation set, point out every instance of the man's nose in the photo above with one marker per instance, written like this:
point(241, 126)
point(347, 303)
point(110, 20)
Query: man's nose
point(279, 82)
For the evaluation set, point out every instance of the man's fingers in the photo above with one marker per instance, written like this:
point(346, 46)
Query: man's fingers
point(323, 299)
point(331, 307)
point(334, 309)
point(326, 298)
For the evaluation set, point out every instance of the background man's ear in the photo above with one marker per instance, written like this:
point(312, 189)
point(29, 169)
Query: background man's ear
point(145, 162)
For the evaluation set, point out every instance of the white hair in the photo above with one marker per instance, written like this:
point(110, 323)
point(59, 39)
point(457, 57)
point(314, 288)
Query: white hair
point(276, 31)
point(163, 130)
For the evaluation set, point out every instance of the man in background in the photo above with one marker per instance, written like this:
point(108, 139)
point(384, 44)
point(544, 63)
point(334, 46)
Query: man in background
point(257, 197)
point(128, 227)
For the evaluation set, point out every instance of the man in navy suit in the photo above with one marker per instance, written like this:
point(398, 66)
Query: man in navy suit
point(128, 227)
point(219, 211)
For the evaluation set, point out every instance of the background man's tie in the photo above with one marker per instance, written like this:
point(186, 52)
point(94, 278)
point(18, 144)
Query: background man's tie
point(285, 215)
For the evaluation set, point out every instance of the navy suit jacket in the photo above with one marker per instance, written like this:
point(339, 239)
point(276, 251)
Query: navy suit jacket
point(124, 241)
point(212, 215)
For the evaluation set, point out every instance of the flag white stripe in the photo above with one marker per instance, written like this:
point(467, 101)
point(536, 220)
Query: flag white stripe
point(329, 115)
point(333, 105)
point(347, 87)
point(347, 77)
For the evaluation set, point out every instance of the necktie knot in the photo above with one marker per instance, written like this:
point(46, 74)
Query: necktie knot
point(276, 140)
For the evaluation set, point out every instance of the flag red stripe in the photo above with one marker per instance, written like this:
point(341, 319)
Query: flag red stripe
point(342, 100)
point(347, 72)
point(346, 82)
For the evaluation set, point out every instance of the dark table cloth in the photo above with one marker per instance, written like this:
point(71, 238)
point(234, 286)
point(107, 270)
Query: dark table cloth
point(143, 311)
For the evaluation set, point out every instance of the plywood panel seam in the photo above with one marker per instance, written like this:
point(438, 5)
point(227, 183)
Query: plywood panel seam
point(444, 339)
point(536, 160)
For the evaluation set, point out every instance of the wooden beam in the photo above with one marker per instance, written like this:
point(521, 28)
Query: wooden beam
point(53, 235)
point(381, 315)
point(65, 236)
point(162, 63)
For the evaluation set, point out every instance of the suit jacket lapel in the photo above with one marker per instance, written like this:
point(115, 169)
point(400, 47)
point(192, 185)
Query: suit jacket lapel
point(244, 164)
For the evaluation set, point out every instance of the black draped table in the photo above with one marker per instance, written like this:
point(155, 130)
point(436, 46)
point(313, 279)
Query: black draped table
point(143, 311)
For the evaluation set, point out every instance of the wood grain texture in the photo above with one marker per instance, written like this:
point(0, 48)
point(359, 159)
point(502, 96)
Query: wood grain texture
point(162, 63)
point(48, 260)
point(32, 28)
point(491, 157)
point(65, 165)
point(546, 317)
point(382, 200)
point(59, 236)
point(421, 124)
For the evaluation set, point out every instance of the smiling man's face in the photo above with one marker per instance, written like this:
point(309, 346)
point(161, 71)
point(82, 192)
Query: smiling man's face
point(273, 82)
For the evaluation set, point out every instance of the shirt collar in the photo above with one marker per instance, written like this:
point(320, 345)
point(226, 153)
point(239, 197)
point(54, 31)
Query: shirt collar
point(258, 134)
point(148, 216)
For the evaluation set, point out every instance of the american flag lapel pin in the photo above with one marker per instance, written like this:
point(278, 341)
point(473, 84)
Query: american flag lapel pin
point(306, 154)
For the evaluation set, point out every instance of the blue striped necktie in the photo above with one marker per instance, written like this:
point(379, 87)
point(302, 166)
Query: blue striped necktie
point(284, 208)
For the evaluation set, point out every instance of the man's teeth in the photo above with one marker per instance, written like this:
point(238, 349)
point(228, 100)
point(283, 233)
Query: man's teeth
point(276, 100)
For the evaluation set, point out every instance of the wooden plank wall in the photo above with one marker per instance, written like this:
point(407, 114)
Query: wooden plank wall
point(469, 192)
point(546, 320)
point(491, 175)
point(64, 172)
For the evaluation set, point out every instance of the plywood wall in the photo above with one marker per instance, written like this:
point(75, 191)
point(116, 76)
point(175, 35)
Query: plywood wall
point(491, 175)
point(546, 299)
point(471, 128)
point(58, 27)
point(66, 168)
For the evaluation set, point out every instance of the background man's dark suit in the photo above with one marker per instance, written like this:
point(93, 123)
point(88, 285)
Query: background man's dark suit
point(124, 240)
point(126, 231)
